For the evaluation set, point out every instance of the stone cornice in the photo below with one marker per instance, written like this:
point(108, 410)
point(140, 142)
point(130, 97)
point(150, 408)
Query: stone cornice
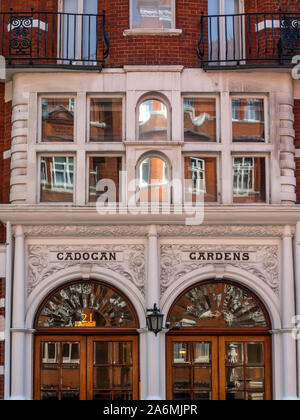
point(213, 215)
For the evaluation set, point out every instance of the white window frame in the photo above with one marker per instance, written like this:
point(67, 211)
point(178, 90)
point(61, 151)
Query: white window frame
point(40, 116)
point(173, 24)
point(40, 155)
point(254, 155)
point(154, 97)
point(218, 116)
point(266, 117)
point(88, 113)
point(122, 193)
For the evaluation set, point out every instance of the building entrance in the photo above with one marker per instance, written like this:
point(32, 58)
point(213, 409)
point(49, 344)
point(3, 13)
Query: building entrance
point(219, 346)
point(86, 347)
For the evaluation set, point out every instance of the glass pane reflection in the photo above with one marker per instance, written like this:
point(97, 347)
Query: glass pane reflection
point(217, 305)
point(86, 305)
point(153, 123)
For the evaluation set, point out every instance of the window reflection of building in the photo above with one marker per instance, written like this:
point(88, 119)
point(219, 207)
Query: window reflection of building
point(58, 119)
point(105, 119)
point(201, 176)
point(100, 168)
point(200, 119)
point(249, 179)
point(57, 178)
point(248, 121)
point(153, 120)
point(153, 181)
point(156, 14)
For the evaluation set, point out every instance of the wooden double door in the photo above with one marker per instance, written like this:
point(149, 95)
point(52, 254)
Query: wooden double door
point(86, 368)
point(219, 368)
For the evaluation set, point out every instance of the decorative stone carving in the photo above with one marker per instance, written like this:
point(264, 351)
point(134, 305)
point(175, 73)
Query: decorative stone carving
point(173, 265)
point(41, 264)
point(163, 230)
point(85, 231)
point(216, 230)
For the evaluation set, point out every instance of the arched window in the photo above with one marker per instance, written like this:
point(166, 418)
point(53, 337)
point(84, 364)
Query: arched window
point(154, 180)
point(218, 305)
point(86, 305)
point(153, 120)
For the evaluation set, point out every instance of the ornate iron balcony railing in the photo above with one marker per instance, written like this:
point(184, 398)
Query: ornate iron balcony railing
point(249, 39)
point(53, 39)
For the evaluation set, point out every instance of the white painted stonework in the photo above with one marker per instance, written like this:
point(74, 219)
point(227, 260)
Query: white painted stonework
point(41, 263)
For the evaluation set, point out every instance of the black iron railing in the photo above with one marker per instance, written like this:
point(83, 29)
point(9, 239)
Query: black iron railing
point(53, 39)
point(249, 39)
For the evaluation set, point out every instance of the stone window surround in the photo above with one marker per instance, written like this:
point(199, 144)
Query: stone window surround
point(236, 151)
point(173, 82)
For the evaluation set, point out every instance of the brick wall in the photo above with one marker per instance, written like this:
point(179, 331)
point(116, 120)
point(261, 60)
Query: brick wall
point(5, 143)
point(153, 50)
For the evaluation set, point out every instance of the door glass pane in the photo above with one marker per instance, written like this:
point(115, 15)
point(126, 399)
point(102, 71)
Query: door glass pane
point(102, 352)
point(123, 395)
point(113, 370)
point(255, 377)
point(102, 395)
point(234, 396)
point(70, 395)
point(122, 353)
point(202, 353)
point(122, 377)
point(103, 377)
point(71, 353)
point(70, 377)
point(202, 377)
point(235, 378)
point(180, 353)
point(181, 395)
point(60, 370)
point(181, 378)
point(204, 396)
point(255, 396)
point(49, 377)
point(49, 352)
point(255, 353)
point(49, 395)
point(234, 353)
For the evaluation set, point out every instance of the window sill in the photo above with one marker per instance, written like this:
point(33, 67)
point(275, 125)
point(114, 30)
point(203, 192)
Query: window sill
point(152, 32)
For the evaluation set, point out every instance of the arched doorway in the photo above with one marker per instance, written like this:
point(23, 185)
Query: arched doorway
point(86, 344)
point(219, 346)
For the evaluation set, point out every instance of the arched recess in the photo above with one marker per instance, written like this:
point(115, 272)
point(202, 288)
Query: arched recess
point(83, 304)
point(84, 272)
point(241, 277)
point(153, 117)
point(218, 304)
point(219, 344)
point(83, 320)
